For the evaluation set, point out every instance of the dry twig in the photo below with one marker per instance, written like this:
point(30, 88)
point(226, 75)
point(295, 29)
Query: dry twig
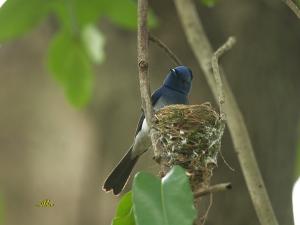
point(169, 52)
point(212, 189)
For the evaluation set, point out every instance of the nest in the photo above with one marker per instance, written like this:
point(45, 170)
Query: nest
point(189, 136)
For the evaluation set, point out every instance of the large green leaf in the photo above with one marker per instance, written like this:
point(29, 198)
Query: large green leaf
point(166, 202)
point(70, 65)
point(75, 14)
point(19, 16)
point(88, 11)
point(124, 214)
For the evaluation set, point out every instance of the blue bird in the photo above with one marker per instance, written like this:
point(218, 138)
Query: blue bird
point(175, 90)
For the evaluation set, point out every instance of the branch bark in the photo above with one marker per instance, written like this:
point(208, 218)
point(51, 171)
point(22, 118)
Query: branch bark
point(143, 64)
point(142, 49)
point(293, 6)
point(202, 49)
point(216, 72)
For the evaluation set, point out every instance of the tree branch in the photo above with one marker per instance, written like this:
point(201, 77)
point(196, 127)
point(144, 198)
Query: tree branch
point(293, 6)
point(203, 51)
point(212, 189)
point(169, 52)
point(143, 63)
point(216, 72)
point(142, 49)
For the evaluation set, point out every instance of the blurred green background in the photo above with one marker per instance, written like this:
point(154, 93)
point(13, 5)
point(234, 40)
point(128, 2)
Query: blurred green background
point(62, 129)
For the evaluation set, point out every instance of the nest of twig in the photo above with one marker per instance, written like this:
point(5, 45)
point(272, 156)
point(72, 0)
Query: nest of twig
point(189, 136)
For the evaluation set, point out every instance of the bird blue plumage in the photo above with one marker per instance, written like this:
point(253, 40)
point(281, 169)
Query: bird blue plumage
point(175, 90)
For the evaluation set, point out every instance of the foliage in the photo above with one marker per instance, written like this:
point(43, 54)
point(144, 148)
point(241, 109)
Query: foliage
point(153, 201)
point(169, 201)
point(209, 3)
point(18, 17)
point(124, 214)
point(77, 44)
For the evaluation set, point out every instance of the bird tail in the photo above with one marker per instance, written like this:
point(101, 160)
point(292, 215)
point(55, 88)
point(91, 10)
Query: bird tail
point(120, 174)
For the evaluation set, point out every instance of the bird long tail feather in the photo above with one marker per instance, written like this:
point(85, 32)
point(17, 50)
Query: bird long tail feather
point(120, 174)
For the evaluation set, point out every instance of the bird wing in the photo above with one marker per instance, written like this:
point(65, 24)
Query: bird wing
point(154, 97)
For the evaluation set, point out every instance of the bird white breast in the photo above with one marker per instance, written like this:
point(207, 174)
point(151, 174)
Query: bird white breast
point(142, 140)
point(145, 126)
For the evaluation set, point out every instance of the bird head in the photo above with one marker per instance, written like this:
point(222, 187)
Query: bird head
point(179, 79)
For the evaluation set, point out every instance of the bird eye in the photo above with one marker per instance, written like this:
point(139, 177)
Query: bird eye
point(173, 71)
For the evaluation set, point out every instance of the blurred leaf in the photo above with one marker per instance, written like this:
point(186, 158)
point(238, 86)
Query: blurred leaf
point(166, 202)
point(209, 3)
point(88, 11)
point(94, 42)
point(124, 14)
point(64, 12)
point(75, 14)
point(124, 215)
point(19, 16)
point(70, 65)
point(152, 19)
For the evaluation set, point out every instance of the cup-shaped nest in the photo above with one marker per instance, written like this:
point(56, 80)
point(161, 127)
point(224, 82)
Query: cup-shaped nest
point(189, 136)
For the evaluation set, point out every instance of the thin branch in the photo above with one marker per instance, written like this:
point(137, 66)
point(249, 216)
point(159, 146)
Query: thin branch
point(216, 71)
point(212, 189)
point(142, 48)
point(203, 51)
point(143, 64)
point(169, 52)
point(293, 6)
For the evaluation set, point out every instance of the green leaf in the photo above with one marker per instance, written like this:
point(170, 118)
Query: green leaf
point(124, 14)
point(169, 202)
point(209, 3)
point(75, 14)
point(19, 16)
point(88, 11)
point(94, 42)
point(124, 214)
point(70, 65)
